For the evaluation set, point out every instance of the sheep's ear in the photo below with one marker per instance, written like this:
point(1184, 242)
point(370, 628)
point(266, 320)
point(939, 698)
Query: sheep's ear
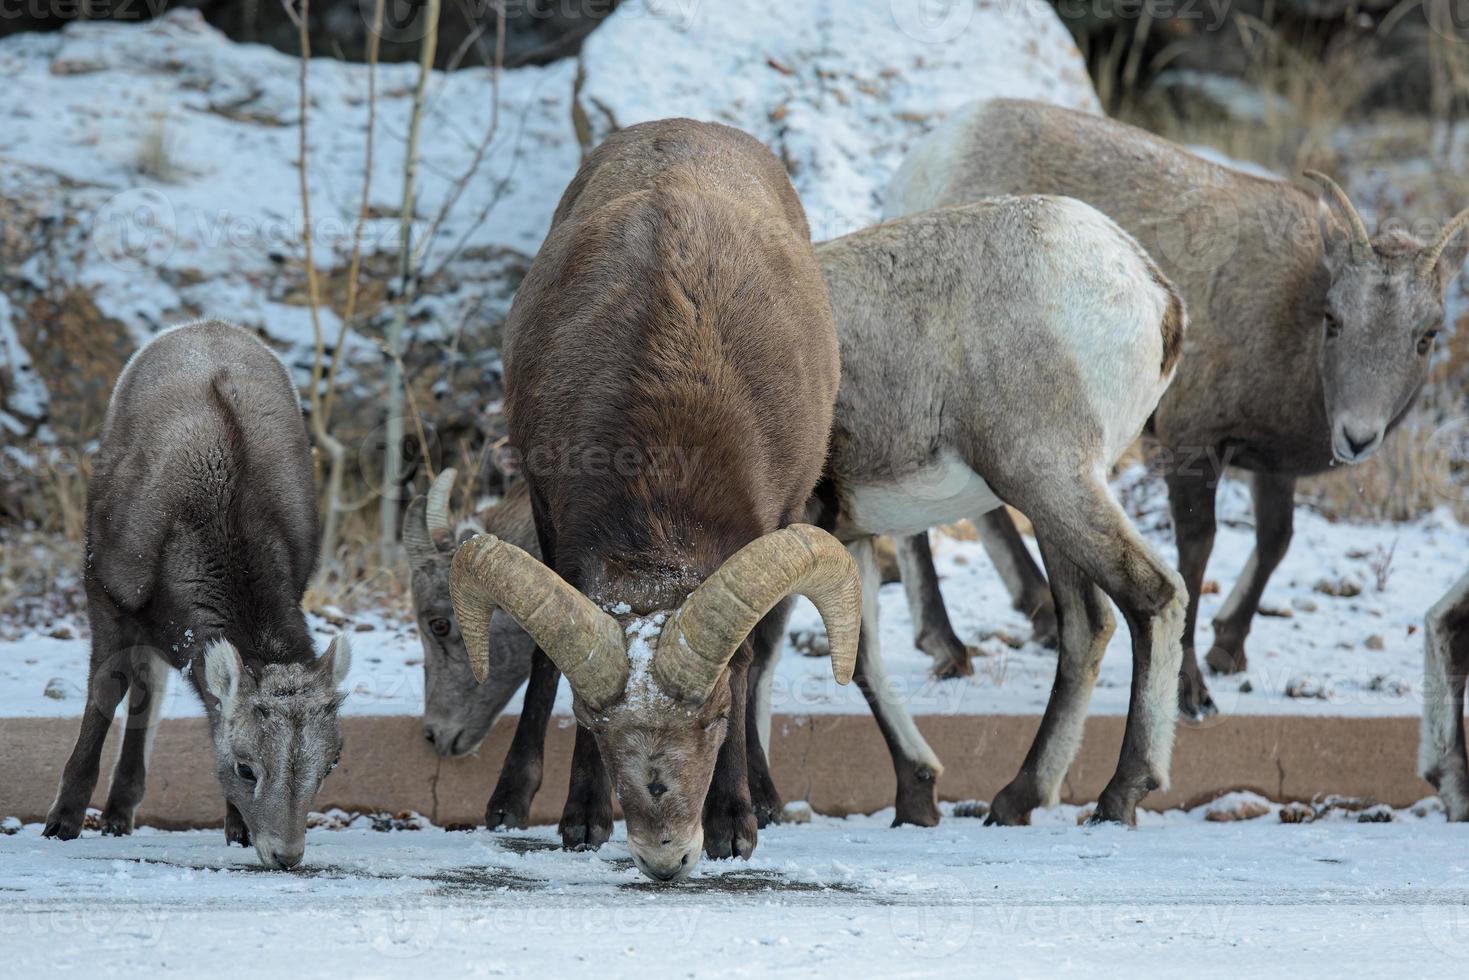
point(337, 660)
point(223, 674)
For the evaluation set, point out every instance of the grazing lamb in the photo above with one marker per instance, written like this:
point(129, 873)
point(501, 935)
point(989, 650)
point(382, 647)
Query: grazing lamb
point(1310, 339)
point(458, 711)
point(1008, 352)
point(201, 536)
point(671, 365)
point(1441, 754)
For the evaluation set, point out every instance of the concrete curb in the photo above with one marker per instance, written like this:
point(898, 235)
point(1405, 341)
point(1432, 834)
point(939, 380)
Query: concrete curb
point(837, 762)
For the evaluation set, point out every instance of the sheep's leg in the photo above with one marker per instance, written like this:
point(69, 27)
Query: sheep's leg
point(586, 820)
point(766, 643)
point(1085, 624)
point(1441, 753)
point(1275, 505)
point(932, 632)
point(1084, 519)
point(520, 776)
point(1029, 592)
point(729, 816)
point(916, 765)
point(147, 688)
point(1191, 500)
point(107, 682)
point(235, 829)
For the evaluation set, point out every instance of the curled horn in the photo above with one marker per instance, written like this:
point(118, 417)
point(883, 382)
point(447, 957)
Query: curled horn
point(1428, 258)
point(1360, 238)
point(440, 526)
point(585, 643)
point(416, 537)
point(709, 627)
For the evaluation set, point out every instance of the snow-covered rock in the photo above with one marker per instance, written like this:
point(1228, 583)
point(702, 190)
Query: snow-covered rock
point(840, 89)
point(155, 166)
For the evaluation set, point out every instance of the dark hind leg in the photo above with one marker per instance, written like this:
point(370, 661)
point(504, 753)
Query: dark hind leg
point(520, 776)
point(916, 765)
point(1085, 623)
point(765, 642)
point(932, 631)
point(1081, 518)
point(1275, 504)
point(1191, 500)
point(586, 820)
point(1029, 592)
point(107, 682)
point(1441, 752)
point(148, 686)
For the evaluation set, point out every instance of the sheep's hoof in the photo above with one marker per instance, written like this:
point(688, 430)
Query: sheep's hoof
point(1222, 660)
point(918, 798)
point(730, 828)
point(585, 824)
point(64, 826)
point(1011, 807)
point(1195, 704)
point(117, 824)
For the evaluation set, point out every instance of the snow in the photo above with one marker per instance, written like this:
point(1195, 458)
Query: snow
point(29, 399)
point(1306, 639)
point(1236, 898)
point(840, 90)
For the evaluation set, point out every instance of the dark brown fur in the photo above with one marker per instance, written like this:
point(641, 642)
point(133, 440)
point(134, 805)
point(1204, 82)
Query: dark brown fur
point(671, 369)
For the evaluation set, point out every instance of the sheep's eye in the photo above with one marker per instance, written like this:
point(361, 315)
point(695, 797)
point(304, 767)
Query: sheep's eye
point(716, 723)
point(1333, 326)
point(244, 772)
point(439, 627)
point(1425, 342)
point(656, 789)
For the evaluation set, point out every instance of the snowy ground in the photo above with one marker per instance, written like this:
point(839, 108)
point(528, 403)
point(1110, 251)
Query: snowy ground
point(958, 900)
point(1321, 645)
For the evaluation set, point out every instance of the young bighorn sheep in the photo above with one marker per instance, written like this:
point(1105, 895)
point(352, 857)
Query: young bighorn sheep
point(675, 305)
point(201, 537)
point(1008, 352)
point(1310, 339)
point(1441, 753)
point(458, 711)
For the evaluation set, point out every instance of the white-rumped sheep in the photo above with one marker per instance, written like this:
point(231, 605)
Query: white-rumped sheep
point(1310, 338)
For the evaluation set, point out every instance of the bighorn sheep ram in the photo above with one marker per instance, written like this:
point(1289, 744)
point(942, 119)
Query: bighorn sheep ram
point(676, 304)
point(201, 536)
point(1007, 352)
point(1309, 340)
point(1441, 753)
point(458, 710)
